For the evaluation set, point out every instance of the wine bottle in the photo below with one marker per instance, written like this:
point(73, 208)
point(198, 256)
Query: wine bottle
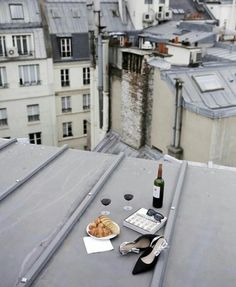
point(158, 189)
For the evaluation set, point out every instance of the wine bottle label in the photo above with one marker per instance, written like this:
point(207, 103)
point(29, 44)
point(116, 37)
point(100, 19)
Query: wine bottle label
point(156, 191)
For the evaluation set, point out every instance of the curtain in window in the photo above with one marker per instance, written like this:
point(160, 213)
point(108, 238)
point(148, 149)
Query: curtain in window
point(29, 74)
point(3, 114)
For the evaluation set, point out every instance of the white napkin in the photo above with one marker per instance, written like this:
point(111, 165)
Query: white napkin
point(95, 245)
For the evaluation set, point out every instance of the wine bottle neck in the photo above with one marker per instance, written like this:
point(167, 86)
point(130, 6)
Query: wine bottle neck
point(159, 173)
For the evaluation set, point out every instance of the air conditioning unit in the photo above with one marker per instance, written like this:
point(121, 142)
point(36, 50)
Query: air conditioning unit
point(196, 58)
point(12, 52)
point(160, 16)
point(168, 15)
point(148, 17)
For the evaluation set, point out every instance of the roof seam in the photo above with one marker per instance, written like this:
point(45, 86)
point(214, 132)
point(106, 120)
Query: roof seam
point(9, 142)
point(20, 182)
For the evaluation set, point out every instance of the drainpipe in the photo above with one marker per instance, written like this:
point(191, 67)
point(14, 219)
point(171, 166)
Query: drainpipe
point(178, 114)
point(175, 149)
point(100, 80)
point(105, 54)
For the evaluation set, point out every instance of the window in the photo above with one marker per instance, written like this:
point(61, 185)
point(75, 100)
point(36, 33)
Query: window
point(66, 104)
point(65, 47)
point(86, 76)
point(3, 117)
point(67, 129)
point(16, 11)
point(23, 44)
point(33, 113)
point(86, 101)
point(208, 82)
point(35, 138)
point(2, 46)
point(3, 78)
point(85, 128)
point(65, 78)
point(148, 1)
point(29, 75)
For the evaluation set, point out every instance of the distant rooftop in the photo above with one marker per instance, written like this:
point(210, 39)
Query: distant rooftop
point(209, 90)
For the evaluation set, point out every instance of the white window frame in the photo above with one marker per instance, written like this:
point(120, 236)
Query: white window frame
point(66, 104)
point(65, 78)
point(3, 117)
point(37, 138)
point(67, 129)
point(65, 47)
point(16, 11)
point(23, 43)
point(29, 75)
point(3, 46)
point(33, 113)
point(86, 101)
point(3, 77)
point(86, 75)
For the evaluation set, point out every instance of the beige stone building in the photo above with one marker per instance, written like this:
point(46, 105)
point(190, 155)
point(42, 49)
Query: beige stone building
point(208, 114)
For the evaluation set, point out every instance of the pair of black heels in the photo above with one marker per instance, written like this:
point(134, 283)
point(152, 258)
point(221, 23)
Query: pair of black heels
point(151, 244)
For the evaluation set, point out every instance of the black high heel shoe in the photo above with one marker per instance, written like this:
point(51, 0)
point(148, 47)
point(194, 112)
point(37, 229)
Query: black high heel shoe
point(149, 258)
point(137, 245)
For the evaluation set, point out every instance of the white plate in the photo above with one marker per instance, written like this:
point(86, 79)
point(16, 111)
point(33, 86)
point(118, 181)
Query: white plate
point(106, 237)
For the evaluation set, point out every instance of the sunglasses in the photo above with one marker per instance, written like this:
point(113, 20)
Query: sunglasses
point(157, 216)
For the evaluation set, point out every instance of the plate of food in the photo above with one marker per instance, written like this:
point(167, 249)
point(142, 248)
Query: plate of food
point(103, 228)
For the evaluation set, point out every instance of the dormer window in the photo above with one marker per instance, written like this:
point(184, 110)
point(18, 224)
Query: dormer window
point(16, 11)
point(66, 50)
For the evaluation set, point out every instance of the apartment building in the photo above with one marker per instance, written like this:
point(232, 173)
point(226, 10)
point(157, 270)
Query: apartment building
point(27, 104)
point(68, 29)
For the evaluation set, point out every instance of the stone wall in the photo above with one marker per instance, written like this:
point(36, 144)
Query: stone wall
point(136, 106)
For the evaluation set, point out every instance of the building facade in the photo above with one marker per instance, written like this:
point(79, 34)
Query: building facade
point(68, 29)
point(27, 108)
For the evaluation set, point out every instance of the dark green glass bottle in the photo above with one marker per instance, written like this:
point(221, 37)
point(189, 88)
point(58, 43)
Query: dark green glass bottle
point(158, 189)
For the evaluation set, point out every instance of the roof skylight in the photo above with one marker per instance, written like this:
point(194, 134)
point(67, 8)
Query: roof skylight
point(208, 82)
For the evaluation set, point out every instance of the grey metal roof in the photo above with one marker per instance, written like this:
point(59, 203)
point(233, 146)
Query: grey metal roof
point(201, 33)
point(213, 104)
point(31, 13)
point(112, 22)
point(43, 221)
point(221, 54)
point(61, 20)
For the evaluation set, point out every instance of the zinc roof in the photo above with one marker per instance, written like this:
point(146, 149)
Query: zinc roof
point(40, 249)
point(213, 103)
point(67, 17)
point(30, 10)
